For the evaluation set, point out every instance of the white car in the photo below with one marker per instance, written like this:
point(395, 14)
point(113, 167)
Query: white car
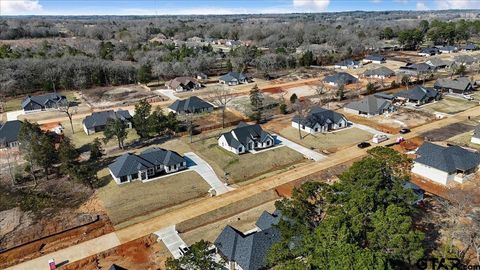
point(378, 138)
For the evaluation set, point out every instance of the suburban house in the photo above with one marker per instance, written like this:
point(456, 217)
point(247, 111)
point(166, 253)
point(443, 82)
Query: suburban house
point(470, 47)
point(245, 138)
point(9, 134)
point(349, 63)
point(460, 85)
point(447, 49)
point(149, 164)
point(320, 120)
point(233, 78)
point(192, 104)
point(464, 59)
point(180, 84)
point(43, 102)
point(418, 95)
point(429, 51)
point(476, 136)
point(97, 121)
point(438, 63)
point(341, 78)
point(380, 73)
point(202, 76)
point(248, 251)
point(416, 69)
point(374, 58)
point(442, 164)
point(370, 106)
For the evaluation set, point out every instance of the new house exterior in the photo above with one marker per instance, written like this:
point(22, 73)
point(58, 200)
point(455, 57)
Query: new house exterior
point(460, 85)
point(246, 138)
point(443, 164)
point(320, 120)
point(9, 134)
point(348, 63)
point(418, 95)
point(447, 49)
point(248, 251)
point(149, 164)
point(97, 121)
point(181, 84)
point(370, 106)
point(43, 102)
point(379, 73)
point(428, 51)
point(438, 63)
point(476, 135)
point(470, 47)
point(190, 105)
point(416, 69)
point(464, 59)
point(341, 78)
point(233, 78)
point(374, 58)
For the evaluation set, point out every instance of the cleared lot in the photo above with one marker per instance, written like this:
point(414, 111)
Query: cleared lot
point(124, 202)
point(243, 167)
point(450, 105)
point(448, 132)
point(330, 142)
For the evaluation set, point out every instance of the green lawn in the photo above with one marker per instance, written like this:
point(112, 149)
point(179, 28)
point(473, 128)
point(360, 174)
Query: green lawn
point(330, 142)
point(16, 103)
point(243, 167)
point(80, 138)
point(136, 199)
point(450, 105)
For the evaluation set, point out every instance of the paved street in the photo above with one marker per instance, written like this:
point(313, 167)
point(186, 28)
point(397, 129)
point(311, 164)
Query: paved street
point(171, 239)
point(310, 154)
point(206, 171)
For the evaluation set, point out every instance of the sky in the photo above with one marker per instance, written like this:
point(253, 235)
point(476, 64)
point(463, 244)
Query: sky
point(207, 7)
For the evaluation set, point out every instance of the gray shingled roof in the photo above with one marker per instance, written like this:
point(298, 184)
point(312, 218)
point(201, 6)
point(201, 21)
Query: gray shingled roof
point(189, 105)
point(347, 63)
point(448, 159)
point(340, 78)
point(439, 62)
point(318, 115)
point(245, 133)
point(9, 131)
point(44, 99)
point(418, 93)
point(429, 50)
point(267, 220)
point(464, 59)
point(181, 81)
point(381, 71)
point(375, 57)
point(470, 46)
point(460, 83)
point(230, 76)
point(100, 118)
point(447, 48)
point(128, 164)
point(369, 105)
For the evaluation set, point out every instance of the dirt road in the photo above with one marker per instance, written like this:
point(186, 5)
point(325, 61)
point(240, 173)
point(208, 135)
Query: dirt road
point(206, 205)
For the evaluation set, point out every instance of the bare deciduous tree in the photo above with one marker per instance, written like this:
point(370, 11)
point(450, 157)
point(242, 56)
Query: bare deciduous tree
point(301, 109)
point(221, 96)
point(69, 110)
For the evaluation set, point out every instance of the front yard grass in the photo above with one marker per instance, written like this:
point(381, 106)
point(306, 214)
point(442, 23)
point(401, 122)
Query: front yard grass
point(243, 167)
point(130, 200)
point(330, 142)
point(450, 105)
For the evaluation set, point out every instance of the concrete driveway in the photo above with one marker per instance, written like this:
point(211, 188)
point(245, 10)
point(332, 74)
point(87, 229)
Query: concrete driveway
point(14, 115)
point(168, 93)
point(369, 129)
point(309, 153)
point(171, 239)
point(206, 171)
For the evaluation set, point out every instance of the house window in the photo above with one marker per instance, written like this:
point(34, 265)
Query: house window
point(268, 143)
point(150, 171)
point(123, 179)
point(158, 167)
point(303, 126)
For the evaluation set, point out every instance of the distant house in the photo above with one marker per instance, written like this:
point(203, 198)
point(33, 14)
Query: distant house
point(447, 49)
point(97, 121)
point(233, 78)
point(380, 73)
point(320, 120)
point(43, 102)
point(233, 43)
point(374, 58)
point(149, 164)
point(341, 78)
point(246, 138)
point(443, 164)
point(460, 85)
point(418, 95)
point(180, 84)
point(370, 106)
point(416, 69)
point(202, 76)
point(470, 47)
point(9, 134)
point(464, 59)
point(438, 63)
point(476, 135)
point(428, 51)
point(192, 104)
point(349, 63)
point(248, 251)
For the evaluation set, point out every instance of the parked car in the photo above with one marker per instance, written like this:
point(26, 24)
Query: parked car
point(363, 145)
point(404, 131)
point(52, 264)
point(378, 138)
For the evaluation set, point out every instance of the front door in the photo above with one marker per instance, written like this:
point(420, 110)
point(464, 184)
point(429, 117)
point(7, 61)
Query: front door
point(143, 175)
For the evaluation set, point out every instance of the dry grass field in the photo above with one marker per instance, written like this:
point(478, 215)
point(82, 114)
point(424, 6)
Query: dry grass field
point(450, 105)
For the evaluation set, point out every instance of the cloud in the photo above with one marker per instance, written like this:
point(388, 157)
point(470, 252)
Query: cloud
point(376, 1)
point(458, 4)
point(311, 5)
point(421, 6)
point(19, 7)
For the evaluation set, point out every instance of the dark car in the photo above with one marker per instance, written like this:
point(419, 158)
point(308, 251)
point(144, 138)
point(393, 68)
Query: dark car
point(363, 145)
point(404, 131)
